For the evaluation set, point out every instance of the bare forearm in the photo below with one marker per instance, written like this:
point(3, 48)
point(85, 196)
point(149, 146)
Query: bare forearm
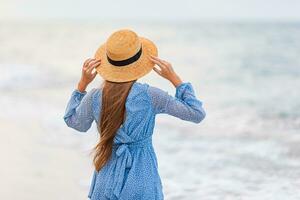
point(82, 86)
point(175, 80)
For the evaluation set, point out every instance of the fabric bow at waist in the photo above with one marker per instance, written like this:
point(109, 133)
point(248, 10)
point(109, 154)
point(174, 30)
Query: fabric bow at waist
point(123, 162)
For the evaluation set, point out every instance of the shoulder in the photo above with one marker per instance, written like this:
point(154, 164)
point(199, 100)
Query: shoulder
point(144, 87)
point(151, 90)
point(92, 92)
point(93, 95)
point(140, 85)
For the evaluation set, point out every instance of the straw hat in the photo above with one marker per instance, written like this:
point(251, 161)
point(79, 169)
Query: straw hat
point(124, 56)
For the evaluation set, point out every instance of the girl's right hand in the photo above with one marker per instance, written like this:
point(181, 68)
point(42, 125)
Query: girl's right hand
point(166, 70)
point(87, 74)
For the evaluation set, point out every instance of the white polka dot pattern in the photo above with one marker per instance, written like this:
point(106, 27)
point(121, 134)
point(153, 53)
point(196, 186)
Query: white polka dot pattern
point(132, 171)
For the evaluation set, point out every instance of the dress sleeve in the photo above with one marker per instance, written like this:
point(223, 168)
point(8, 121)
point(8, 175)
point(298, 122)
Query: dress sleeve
point(184, 105)
point(79, 111)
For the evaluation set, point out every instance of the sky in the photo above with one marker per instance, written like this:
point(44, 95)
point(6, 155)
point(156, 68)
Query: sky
point(284, 10)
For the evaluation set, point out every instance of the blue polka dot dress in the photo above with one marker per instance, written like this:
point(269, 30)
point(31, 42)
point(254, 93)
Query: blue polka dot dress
point(132, 171)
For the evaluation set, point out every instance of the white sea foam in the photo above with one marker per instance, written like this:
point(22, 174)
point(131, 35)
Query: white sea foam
point(247, 76)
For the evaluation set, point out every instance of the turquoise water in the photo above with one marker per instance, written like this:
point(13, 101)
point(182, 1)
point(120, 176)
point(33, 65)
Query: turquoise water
point(247, 74)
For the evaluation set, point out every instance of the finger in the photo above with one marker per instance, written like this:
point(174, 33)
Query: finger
point(96, 63)
point(86, 63)
point(156, 58)
point(93, 62)
point(152, 56)
point(98, 66)
point(92, 67)
point(90, 62)
point(165, 62)
point(160, 64)
point(157, 70)
point(161, 67)
point(94, 73)
point(96, 60)
point(167, 65)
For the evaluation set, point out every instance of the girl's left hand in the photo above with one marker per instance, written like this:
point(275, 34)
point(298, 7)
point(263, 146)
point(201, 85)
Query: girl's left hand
point(166, 70)
point(88, 74)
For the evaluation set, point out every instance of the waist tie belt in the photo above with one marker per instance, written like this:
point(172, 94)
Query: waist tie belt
point(124, 161)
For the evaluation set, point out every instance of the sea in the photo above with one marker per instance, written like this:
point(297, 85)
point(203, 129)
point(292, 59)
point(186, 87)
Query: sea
point(247, 74)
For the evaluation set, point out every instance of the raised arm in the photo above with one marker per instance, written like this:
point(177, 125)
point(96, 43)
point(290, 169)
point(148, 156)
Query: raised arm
point(184, 105)
point(79, 111)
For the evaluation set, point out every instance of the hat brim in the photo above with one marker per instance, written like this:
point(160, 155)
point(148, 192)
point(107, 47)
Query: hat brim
point(129, 72)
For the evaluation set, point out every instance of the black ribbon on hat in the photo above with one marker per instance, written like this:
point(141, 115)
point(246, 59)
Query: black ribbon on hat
point(128, 61)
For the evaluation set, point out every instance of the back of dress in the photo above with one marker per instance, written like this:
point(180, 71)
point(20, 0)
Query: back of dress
point(139, 121)
point(132, 171)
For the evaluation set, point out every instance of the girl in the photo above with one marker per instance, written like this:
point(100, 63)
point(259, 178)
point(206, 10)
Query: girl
point(124, 110)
